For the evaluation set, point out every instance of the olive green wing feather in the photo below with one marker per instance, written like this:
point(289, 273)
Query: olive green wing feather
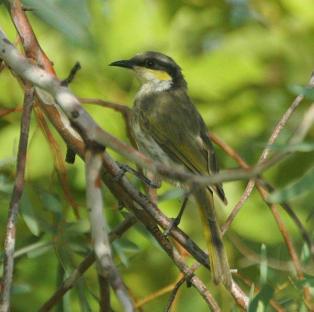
point(177, 127)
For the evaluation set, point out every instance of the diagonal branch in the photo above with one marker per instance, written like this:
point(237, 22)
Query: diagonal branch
point(276, 132)
point(123, 109)
point(178, 260)
point(139, 205)
point(29, 40)
point(262, 186)
point(9, 245)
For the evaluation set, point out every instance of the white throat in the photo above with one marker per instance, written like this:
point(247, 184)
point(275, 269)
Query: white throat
point(153, 86)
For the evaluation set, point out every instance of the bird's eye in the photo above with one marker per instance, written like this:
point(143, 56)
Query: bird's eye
point(150, 63)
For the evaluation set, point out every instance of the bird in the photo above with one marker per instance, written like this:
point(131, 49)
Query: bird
point(168, 128)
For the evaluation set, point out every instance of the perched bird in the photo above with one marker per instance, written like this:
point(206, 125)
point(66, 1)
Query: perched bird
point(168, 128)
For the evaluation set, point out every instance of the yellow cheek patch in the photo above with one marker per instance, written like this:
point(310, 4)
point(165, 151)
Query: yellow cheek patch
point(159, 74)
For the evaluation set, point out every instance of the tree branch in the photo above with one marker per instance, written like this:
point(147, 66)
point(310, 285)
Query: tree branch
point(9, 245)
point(276, 132)
point(49, 86)
point(99, 228)
point(262, 186)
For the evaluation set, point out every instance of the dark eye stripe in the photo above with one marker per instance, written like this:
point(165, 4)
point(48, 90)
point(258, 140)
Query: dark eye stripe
point(150, 63)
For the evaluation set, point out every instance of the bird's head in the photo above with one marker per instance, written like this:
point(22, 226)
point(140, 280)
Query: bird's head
point(154, 68)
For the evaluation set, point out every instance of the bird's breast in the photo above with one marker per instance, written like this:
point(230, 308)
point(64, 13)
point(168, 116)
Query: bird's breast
point(146, 143)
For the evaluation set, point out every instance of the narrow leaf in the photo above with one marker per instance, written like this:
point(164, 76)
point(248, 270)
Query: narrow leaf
point(69, 17)
point(260, 301)
point(307, 91)
point(28, 215)
point(304, 185)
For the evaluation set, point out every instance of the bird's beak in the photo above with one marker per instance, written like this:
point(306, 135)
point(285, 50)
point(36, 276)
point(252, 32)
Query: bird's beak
point(123, 63)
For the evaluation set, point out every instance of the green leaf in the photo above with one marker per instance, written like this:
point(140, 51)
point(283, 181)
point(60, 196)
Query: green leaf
point(263, 265)
point(7, 162)
point(19, 289)
point(304, 185)
point(6, 186)
point(78, 227)
point(300, 147)
point(78, 248)
point(308, 280)
point(28, 215)
point(307, 92)
point(51, 203)
point(125, 248)
point(260, 301)
point(174, 193)
point(305, 253)
point(70, 17)
point(31, 248)
point(39, 251)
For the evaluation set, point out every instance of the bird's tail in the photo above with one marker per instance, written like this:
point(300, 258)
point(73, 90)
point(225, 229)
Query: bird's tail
point(217, 255)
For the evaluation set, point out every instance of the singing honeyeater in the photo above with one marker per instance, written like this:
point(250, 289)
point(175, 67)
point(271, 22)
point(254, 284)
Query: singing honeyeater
point(168, 128)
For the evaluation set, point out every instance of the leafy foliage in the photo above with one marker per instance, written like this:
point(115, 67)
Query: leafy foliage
point(244, 62)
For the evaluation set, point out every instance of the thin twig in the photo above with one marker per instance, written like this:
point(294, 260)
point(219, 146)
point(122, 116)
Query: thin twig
point(121, 108)
point(72, 74)
point(174, 294)
point(276, 132)
point(104, 293)
point(29, 40)
point(156, 294)
point(261, 186)
point(264, 186)
point(124, 110)
point(7, 111)
point(9, 245)
point(281, 225)
point(180, 263)
point(176, 288)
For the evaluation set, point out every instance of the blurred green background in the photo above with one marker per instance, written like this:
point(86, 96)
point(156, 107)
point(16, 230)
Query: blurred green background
point(243, 61)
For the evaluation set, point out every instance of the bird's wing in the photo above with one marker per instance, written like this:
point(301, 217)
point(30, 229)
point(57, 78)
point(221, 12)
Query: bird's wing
point(213, 163)
point(177, 127)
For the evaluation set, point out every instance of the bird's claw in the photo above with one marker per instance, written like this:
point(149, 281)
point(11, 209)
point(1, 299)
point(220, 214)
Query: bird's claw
point(126, 168)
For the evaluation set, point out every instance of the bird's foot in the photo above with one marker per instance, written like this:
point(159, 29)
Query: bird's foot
point(176, 221)
point(125, 168)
